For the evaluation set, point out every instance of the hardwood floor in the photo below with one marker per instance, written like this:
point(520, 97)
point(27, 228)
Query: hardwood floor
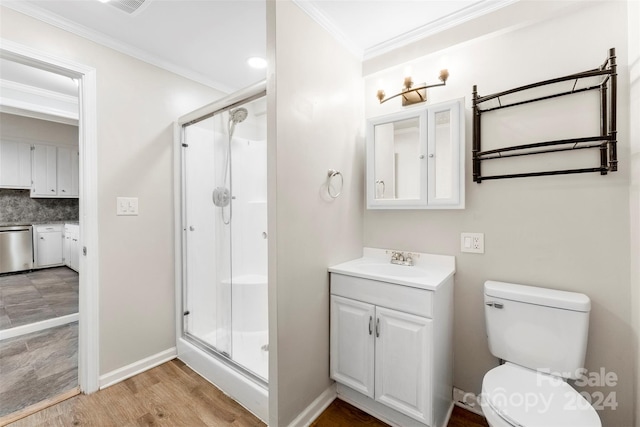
point(174, 395)
point(170, 394)
point(341, 414)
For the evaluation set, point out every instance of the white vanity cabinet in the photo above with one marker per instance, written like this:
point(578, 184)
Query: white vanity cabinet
point(391, 346)
point(383, 354)
point(47, 245)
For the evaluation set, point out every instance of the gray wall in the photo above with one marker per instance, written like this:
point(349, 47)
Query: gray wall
point(27, 129)
point(565, 232)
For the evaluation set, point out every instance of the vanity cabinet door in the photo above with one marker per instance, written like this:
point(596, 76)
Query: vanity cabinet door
point(403, 363)
point(352, 344)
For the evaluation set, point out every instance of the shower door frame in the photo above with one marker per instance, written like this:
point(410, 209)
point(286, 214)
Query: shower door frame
point(240, 383)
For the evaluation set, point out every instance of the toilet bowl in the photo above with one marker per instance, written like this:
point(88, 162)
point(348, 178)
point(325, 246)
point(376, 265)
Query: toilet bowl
point(514, 396)
point(530, 389)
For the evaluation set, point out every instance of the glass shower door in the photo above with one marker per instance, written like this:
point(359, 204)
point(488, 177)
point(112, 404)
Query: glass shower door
point(224, 222)
point(207, 239)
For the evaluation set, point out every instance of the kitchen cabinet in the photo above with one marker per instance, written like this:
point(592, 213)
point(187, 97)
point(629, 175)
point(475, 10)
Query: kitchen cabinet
point(67, 172)
point(55, 171)
point(47, 245)
point(15, 165)
point(71, 246)
point(391, 344)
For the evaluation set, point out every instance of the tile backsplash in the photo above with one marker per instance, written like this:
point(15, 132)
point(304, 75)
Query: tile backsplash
point(18, 206)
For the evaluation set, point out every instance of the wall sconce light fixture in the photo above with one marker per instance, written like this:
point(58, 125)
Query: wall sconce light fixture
point(413, 95)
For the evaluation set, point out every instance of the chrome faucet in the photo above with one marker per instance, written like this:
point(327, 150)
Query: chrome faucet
point(400, 258)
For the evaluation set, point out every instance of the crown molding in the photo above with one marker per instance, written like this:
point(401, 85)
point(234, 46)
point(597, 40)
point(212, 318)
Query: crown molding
point(456, 18)
point(37, 112)
point(37, 91)
point(322, 20)
point(100, 38)
point(30, 101)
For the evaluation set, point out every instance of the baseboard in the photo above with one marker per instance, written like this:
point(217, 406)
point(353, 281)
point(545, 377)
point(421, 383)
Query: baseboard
point(38, 326)
point(136, 368)
point(313, 411)
point(468, 401)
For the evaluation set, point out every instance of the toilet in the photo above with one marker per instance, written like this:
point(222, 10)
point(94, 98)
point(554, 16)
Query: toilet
point(541, 335)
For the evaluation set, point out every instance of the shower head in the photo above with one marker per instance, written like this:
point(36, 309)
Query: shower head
point(238, 115)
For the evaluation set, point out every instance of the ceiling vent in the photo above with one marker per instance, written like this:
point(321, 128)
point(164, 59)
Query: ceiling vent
point(129, 6)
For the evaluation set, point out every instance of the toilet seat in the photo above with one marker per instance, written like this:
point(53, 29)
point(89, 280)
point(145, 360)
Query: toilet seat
point(525, 398)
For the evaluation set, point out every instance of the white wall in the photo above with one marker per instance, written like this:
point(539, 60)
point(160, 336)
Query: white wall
point(315, 123)
point(26, 129)
point(634, 140)
point(566, 232)
point(137, 104)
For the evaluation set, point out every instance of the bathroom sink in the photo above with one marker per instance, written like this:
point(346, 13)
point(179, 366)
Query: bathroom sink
point(392, 270)
point(428, 272)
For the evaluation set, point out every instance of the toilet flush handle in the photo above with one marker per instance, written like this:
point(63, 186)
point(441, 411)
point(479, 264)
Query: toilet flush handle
point(495, 304)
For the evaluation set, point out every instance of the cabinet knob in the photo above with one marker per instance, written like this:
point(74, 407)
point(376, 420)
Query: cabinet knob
point(431, 155)
point(41, 237)
point(64, 191)
point(53, 190)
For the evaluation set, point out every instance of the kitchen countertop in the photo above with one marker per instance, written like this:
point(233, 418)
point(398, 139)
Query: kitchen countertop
point(9, 224)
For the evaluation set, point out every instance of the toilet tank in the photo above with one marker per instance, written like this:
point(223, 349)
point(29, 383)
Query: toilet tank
point(539, 328)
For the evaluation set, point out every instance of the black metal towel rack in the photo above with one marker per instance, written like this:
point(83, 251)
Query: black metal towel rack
point(606, 141)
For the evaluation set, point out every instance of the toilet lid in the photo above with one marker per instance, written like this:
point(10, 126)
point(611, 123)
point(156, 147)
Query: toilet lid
point(526, 398)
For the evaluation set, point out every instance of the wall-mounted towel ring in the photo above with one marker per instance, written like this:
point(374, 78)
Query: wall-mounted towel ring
point(330, 175)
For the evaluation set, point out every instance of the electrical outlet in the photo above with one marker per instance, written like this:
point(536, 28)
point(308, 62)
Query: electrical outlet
point(472, 242)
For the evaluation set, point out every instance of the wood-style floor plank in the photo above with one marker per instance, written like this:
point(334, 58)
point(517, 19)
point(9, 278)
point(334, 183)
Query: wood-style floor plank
point(174, 395)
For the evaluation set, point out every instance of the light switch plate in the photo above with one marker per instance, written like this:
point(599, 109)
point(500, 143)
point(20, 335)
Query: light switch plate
point(126, 206)
point(472, 243)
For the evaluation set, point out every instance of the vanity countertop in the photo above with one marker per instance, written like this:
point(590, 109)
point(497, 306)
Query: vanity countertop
point(428, 271)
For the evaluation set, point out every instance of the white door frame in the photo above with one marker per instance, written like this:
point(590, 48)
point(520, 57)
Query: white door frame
point(88, 356)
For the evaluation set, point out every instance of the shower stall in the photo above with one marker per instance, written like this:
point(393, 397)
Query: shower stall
point(221, 231)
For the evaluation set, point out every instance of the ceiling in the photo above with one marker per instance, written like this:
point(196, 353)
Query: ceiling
point(210, 40)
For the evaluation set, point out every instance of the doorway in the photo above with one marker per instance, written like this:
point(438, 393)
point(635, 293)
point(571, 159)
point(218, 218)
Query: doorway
point(88, 370)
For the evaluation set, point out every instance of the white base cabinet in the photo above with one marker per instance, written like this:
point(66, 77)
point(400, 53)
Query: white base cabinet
point(391, 349)
point(47, 245)
point(71, 246)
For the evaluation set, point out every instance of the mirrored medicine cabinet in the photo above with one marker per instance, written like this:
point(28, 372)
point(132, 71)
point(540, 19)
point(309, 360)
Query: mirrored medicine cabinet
point(415, 158)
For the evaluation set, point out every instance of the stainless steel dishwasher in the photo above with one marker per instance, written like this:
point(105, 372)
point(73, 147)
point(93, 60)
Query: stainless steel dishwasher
point(16, 248)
